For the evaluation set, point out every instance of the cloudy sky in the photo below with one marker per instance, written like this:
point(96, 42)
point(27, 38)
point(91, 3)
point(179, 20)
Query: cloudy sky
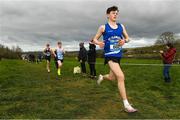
point(31, 24)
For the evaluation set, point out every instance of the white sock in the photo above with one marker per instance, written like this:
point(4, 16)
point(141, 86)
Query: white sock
point(126, 103)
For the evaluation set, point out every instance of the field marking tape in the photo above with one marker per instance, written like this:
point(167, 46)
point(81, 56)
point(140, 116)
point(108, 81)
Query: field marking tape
point(132, 64)
point(136, 64)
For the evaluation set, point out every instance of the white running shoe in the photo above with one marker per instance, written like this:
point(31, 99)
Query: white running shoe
point(130, 109)
point(100, 79)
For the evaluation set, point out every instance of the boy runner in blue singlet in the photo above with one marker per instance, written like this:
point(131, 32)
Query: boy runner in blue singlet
point(114, 37)
point(59, 56)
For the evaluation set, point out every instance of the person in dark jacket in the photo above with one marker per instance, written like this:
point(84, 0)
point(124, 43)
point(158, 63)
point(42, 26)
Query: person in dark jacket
point(168, 57)
point(92, 59)
point(82, 57)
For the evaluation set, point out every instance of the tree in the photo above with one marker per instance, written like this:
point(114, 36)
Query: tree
point(18, 51)
point(166, 37)
point(178, 41)
point(14, 53)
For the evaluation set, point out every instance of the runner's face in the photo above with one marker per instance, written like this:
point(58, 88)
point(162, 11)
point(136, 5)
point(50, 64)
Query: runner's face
point(47, 46)
point(59, 45)
point(113, 15)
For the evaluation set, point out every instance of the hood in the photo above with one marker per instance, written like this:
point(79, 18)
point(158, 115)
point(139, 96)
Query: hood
point(92, 46)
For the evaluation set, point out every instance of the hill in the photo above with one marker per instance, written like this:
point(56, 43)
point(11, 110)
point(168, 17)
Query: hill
point(150, 52)
point(140, 52)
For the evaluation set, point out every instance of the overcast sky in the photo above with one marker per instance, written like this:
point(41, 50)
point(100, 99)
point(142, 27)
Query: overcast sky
point(31, 24)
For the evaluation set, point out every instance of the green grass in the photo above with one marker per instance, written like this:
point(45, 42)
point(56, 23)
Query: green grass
point(27, 91)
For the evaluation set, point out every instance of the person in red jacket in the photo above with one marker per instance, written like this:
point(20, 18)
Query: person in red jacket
point(168, 57)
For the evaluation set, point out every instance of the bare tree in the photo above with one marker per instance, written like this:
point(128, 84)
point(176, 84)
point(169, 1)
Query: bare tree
point(18, 49)
point(166, 37)
point(13, 53)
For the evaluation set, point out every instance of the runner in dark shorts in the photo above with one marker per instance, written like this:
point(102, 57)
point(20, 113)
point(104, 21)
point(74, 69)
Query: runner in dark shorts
point(47, 52)
point(59, 56)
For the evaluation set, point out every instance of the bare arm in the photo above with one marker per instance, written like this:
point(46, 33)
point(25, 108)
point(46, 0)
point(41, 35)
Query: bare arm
point(98, 35)
point(64, 51)
point(125, 34)
point(53, 52)
point(44, 52)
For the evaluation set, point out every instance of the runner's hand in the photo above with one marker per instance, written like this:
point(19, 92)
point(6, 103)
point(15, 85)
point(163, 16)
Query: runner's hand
point(101, 44)
point(121, 42)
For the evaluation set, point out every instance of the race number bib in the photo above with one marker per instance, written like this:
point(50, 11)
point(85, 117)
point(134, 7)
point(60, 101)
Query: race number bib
point(114, 45)
point(48, 54)
point(59, 54)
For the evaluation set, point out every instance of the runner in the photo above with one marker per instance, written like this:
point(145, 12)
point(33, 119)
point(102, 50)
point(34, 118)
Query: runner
point(47, 52)
point(59, 56)
point(114, 37)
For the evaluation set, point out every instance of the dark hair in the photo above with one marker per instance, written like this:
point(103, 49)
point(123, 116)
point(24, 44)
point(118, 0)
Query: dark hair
point(113, 8)
point(81, 43)
point(170, 45)
point(59, 43)
point(47, 44)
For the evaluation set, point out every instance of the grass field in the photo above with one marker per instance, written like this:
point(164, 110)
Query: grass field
point(27, 91)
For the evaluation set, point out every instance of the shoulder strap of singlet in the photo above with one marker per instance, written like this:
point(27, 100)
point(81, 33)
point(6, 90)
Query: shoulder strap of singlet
point(119, 25)
point(106, 27)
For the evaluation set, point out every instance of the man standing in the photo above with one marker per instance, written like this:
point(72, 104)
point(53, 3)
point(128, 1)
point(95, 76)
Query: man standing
point(82, 57)
point(168, 58)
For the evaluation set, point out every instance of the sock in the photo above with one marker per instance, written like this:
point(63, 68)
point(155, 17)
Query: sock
point(59, 71)
point(126, 103)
